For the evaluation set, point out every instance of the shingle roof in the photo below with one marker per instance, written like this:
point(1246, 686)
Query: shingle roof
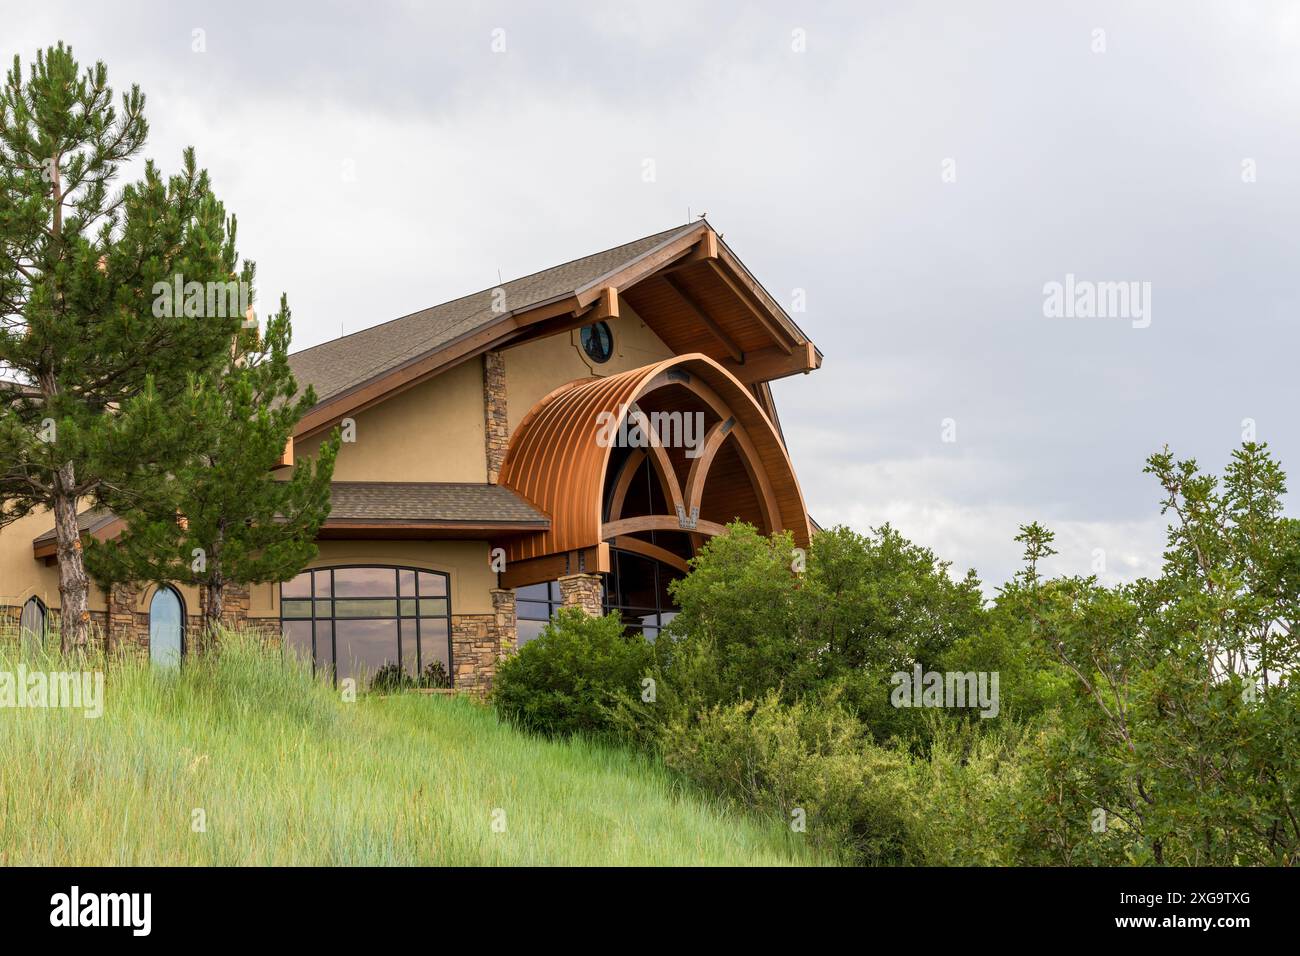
point(88, 522)
point(452, 503)
point(446, 502)
point(334, 367)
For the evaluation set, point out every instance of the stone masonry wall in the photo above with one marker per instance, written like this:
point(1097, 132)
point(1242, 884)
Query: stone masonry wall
point(582, 591)
point(494, 412)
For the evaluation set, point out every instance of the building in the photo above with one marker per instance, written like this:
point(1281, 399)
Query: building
point(570, 437)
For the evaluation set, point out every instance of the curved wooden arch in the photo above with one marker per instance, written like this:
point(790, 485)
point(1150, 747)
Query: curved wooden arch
point(558, 456)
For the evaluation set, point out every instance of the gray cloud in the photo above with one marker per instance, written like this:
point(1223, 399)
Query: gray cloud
point(383, 158)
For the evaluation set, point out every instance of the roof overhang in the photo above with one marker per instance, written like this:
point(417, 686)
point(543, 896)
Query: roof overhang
point(714, 306)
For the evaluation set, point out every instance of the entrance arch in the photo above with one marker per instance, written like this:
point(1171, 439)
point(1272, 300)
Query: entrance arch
point(724, 461)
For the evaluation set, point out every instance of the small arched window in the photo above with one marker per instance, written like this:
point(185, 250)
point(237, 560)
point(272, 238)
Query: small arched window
point(33, 622)
point(166, 627)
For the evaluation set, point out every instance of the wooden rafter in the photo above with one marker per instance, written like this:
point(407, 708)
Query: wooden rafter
point(780, 336)
point(693, 307)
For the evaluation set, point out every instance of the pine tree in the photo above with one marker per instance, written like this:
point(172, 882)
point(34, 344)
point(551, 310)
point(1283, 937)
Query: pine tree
point(92, 356)
point(226, 518)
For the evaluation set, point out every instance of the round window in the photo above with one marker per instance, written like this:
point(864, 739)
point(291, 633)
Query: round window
point(598, 342)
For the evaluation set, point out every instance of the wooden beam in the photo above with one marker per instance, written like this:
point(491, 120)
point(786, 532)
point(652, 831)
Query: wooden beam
point(612, 529)
point(645, 264)
point(767, 364)
point(783, 339)
point(663, 555)
point(700, 466)
point(606, 306)
point(549, 567)
point(705, 249)
point(693, 307)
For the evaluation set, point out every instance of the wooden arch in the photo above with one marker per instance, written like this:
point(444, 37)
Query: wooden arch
point(558, 459)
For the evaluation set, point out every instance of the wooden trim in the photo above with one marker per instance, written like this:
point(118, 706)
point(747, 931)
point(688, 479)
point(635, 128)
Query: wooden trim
point(549, 567)
point(606, 305)
point(631, 465)
point(700, 466)
point(659, 456)
point(770, 363)
point(707, 248)
point(780, 335)
point(612, 529)
point(645, 548)
point(488, 527)
point(643, 265)
point(286, 456)
point(698, 312)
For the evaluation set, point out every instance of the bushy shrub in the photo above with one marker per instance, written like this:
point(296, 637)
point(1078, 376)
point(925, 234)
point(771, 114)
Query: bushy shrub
point(569, 679)
point(804, 763)
point(877, 805)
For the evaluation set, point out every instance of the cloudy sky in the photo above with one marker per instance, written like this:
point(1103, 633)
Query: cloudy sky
point(920, 170)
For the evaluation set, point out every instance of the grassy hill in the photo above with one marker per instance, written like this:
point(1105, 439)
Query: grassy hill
point(279, 770)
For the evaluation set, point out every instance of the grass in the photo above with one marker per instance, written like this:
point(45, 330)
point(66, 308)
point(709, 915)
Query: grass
point(286, 773)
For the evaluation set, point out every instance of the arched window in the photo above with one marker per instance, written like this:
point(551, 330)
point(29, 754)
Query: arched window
point(32, 623)
point(387, 625)
point(166, 627)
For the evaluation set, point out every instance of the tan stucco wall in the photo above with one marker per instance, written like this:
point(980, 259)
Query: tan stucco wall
point(22, 575)
point(431, 432)
point(537, 368)
point(466, 561)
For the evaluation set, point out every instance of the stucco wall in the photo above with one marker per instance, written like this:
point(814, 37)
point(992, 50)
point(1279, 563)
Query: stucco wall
point(537, 368)
point(433, 431)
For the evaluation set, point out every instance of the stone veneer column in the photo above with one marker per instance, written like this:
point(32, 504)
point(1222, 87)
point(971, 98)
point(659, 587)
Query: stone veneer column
point(494, 413)
point(582, 591)
point(128, 631)
point(507, 628)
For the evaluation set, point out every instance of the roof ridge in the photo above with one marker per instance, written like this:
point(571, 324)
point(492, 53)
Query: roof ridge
point(499, 285)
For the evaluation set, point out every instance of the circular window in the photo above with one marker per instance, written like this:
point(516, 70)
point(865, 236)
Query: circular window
point(598, 342)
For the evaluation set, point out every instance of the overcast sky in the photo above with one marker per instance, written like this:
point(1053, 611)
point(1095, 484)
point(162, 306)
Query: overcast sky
point(921, 171)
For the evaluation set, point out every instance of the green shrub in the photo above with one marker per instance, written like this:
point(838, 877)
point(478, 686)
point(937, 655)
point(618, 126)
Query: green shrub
point(803, 762)
point(568, 680)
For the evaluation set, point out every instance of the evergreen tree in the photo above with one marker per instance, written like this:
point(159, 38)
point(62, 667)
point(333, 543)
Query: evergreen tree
point(92, 357)
point(238, 523)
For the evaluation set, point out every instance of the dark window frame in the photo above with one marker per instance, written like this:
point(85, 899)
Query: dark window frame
point(589, 336)
point(399, 617)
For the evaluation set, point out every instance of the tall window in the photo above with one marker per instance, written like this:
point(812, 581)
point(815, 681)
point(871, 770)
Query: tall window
point(166, 627)
point(535, 604)
point(32, 623)
point(371, 623)
point(636, 587)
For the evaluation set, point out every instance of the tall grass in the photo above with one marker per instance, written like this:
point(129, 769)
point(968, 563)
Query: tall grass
point(286, 772)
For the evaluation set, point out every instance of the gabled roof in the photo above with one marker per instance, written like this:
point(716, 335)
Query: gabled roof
point(684, 282)
point(334, 367)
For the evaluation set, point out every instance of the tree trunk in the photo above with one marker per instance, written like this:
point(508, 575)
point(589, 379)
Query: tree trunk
point(216, 587)
point(74, 625)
